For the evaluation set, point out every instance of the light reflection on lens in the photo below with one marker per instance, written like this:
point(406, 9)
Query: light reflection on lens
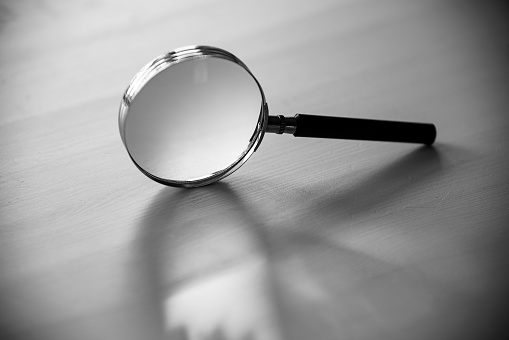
point(193, 119)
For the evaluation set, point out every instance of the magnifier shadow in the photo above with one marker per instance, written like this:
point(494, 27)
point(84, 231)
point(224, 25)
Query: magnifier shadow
point(219, 271)
point(402, 183)
point(209, 263)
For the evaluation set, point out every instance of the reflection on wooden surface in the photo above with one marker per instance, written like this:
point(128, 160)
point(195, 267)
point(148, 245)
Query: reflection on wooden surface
point(311, 239)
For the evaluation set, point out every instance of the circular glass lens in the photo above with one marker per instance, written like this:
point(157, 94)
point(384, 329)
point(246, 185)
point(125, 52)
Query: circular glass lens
point(194, 120)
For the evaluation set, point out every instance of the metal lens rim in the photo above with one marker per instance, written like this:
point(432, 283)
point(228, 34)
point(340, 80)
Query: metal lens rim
point(160, 64)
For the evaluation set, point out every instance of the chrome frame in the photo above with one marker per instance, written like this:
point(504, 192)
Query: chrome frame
point(160, 64)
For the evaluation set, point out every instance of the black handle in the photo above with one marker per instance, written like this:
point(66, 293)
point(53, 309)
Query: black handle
point(364, 129)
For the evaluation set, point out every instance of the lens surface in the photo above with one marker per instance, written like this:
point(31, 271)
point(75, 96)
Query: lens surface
point(193, 119)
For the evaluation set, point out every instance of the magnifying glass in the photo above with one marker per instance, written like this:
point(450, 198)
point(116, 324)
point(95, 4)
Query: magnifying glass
point(193, 116)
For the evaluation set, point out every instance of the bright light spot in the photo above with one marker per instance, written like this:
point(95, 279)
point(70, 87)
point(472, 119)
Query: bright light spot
point(233, 303)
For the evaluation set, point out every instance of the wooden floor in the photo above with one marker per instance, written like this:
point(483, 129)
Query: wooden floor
point(310, 239)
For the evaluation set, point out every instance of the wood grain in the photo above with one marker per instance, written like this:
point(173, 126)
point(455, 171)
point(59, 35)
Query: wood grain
point(310, 239)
